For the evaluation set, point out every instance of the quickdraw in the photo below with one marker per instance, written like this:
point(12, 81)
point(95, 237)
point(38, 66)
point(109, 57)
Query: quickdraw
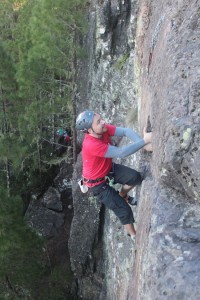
point(110, 181)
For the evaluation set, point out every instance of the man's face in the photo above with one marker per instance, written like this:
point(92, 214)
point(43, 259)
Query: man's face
point(98, 124)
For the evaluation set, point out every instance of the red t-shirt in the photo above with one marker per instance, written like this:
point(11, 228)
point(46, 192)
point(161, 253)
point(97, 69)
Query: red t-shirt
point(95, 165)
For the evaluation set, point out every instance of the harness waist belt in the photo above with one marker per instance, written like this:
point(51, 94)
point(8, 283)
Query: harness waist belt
point(93, 180)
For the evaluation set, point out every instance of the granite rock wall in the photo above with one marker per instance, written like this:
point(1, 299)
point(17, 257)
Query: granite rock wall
point(143, 64)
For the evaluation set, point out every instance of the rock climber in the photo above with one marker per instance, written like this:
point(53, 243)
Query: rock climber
point(99, 170)
point(63, 140)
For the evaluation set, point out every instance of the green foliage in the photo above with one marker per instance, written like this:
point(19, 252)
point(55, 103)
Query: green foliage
point(36, 76)
point(8, 88)
point(7, 74)
point(37, 50)
point(20, 247)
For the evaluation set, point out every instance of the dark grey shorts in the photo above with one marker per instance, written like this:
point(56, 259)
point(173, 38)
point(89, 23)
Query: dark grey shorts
point(111, 198)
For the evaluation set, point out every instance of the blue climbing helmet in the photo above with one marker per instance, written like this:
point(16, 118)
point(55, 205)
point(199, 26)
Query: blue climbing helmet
point(84, 120)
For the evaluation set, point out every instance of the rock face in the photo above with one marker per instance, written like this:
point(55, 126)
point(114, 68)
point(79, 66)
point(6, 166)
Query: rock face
point(44, 220)
point(143, 63)
point(84, 238)
point(47, 213)
point(166, 264)
point(51, 200)
point(98, 245)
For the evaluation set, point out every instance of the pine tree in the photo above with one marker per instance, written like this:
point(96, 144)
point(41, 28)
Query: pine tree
point(38, 65)
point(46, 71)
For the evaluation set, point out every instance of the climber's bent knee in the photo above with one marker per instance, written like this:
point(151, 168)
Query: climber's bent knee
point(111, 199)
point(125, 175)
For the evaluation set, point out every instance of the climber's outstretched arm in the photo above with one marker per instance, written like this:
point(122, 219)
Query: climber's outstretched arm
point(129, 133)
point(115, 152)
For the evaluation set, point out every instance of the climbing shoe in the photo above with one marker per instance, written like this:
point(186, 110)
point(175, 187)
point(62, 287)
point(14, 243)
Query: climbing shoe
point(131, 200)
